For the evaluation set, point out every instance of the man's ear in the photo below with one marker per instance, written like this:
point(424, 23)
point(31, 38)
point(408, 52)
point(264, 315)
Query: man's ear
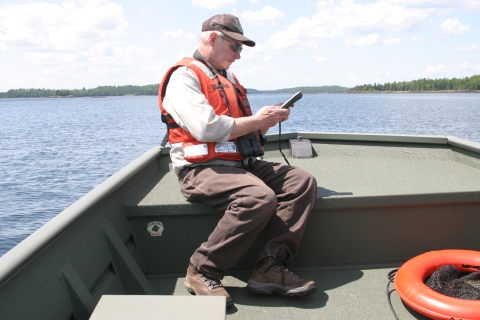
point(212, 39)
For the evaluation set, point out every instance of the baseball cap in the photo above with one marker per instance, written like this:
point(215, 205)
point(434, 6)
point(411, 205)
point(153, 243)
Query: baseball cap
point(228, 24)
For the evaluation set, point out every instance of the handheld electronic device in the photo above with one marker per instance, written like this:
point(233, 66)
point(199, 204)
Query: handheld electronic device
point(287, 104)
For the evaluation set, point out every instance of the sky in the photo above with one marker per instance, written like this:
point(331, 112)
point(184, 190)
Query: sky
point(71, 44)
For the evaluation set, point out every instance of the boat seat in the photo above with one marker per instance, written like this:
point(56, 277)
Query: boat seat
point(159, 307)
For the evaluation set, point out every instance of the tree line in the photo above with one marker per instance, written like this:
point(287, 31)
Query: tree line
point(102, 91)
point(457, 84)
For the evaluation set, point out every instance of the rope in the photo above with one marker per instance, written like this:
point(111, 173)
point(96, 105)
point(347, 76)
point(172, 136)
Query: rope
point(391, 277)
point(471, 267)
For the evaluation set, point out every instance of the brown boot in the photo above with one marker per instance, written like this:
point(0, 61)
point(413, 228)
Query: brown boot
point(203, 285)
point(271, 275)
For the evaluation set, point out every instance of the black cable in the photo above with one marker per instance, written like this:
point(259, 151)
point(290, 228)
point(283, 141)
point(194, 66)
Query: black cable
point(280, 142)
point(391, 277)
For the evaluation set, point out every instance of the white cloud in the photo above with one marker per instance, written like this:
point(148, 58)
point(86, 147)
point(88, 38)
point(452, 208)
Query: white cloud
point(417, 38)
point(65, 27)
point(472, 4)
point(73, 42)
point(177, 34)
point(257, 53)
point(336, 19)
point(463, 67)
point(363, 41)
point(453, 26)
point(473, 47)
point(321, 59)
point(439, 4)
point(391, 41)
point(51, 58)
point(111, 53)
point(445, 12)
point(266, 16)
point(425, 3)
point(103, 63)
point(115, 53)
point(213, 4)
point(300, 35)
point(436, 69)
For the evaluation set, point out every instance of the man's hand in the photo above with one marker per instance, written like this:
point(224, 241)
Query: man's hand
point(264, 119)
point(269, 116)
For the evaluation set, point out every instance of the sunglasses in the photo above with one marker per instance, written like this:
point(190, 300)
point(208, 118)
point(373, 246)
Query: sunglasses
point(236, 47)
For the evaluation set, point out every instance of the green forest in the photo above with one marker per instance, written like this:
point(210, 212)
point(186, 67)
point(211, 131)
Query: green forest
point(457, 84)
point(103, 91)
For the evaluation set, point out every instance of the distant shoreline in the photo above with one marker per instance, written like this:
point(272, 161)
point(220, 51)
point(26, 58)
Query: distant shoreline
point(92, 97)
point(429, 91)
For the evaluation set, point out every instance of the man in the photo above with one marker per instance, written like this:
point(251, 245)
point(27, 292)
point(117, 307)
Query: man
point(209, 123)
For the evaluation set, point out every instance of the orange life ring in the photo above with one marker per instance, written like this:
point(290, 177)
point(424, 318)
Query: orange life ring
point(410, 286)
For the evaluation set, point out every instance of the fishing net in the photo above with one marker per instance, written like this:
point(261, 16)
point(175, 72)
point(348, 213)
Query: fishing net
point(448, 280)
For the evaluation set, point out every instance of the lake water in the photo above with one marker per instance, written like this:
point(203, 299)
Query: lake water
point(53, 151)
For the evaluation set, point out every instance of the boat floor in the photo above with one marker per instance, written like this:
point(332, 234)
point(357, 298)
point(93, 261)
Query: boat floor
point(342, 294)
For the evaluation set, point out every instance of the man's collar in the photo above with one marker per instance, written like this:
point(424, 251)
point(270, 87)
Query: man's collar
point(197, 55)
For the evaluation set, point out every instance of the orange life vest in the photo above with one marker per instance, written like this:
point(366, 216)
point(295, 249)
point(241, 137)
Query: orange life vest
point(238, 106)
